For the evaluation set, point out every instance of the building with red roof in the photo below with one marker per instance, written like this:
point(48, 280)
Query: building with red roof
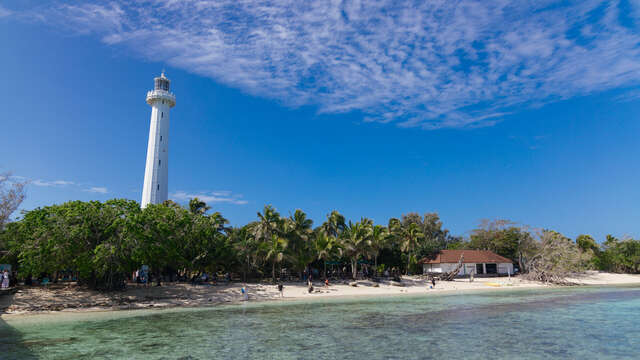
point(478, 262)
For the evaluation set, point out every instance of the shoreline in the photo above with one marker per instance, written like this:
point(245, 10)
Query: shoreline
point(73, 299)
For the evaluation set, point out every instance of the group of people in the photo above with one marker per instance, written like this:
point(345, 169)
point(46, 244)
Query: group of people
point(280, 285)
point(205, 278)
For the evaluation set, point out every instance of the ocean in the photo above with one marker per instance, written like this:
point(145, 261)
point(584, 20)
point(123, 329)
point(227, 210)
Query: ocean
point(558, 323)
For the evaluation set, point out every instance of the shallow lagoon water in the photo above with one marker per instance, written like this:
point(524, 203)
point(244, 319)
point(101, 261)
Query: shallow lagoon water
point(585, 322)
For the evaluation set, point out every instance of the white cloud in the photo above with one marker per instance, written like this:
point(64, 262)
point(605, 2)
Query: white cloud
point(63, 183)
point(210, 197)
point(97, 189)
point(40, 182)
point(430, 64)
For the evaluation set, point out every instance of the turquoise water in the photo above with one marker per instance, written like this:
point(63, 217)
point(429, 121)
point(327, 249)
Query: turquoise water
point(584, 323)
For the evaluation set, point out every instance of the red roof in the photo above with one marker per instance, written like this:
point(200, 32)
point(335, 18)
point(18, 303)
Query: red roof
point(470, 256)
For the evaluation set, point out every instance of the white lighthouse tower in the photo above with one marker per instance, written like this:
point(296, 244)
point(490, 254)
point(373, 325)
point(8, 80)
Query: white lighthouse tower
point(156, 175)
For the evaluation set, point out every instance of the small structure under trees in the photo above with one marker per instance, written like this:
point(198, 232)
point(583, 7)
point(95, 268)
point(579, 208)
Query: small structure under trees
point(479, 262)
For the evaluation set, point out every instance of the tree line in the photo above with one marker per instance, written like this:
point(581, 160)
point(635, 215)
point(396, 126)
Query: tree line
point(104, 242)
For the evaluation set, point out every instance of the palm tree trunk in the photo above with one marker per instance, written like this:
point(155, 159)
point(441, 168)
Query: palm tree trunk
point(273, 271)
point(325, 269)
point(354, 268)
point(246, 270)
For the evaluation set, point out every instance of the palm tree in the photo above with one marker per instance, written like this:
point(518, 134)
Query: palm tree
point(334, 225)
point(245, 245)
point(325, 247)
point(196, 206)
point(356, 242)
point(268, 223)
point(408, 235)
point(298, 230)
point(379, 241)
point(274, 251)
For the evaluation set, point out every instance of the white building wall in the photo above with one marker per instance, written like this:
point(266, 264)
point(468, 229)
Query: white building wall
point(505, 268)
point(426, 268)
point(467, 268)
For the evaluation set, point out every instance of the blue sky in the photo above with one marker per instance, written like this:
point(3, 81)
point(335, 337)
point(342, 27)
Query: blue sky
point(474, 110)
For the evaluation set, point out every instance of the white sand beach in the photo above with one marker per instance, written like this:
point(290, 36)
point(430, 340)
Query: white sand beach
point(69, 297)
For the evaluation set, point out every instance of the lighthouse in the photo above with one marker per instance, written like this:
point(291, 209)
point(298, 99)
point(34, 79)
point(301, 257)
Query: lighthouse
point(156, 175)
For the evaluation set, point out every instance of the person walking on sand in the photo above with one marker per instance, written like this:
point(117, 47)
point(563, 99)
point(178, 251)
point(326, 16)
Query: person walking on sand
point(5, 279)
point(433, 282)
point(281, 289)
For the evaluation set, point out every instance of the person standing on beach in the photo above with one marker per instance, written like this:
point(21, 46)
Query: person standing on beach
point(281, 289)
point(5, 279)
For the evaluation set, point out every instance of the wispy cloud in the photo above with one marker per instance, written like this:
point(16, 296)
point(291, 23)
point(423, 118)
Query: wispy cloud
point(97, 189)
point(430, 64)
point(210, 197)
point(40, 182)
point(631, 95)
point(4, 12)
point(62, 183)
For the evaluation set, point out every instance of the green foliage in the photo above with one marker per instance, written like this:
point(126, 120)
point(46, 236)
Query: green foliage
point(198, 207)
point(103, 242)
point(619, 255)
point(356, 242)
point(84, 236)
point(505, 239)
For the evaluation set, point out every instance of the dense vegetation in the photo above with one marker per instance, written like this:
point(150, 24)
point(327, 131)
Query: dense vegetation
point(104, 242)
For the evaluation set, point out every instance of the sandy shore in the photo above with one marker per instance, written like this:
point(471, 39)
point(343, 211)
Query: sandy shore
point(69, 297)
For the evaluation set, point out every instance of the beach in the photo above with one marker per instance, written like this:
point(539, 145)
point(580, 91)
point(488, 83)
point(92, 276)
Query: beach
point(73, 298)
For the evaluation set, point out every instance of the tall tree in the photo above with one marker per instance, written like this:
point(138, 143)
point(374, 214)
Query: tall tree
point(199, 207)
point(587, 242)
point(298, 231)
point(334, 225)
point(246, 247)
point(274, 252)
point(157, 236)
point(408, 235)
point(269, 222)
point(326, 247)
point(504, 238)
point(11, 196)
point(356, 242)
point(379, 241)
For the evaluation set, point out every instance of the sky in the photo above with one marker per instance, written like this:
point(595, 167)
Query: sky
point(526, 111)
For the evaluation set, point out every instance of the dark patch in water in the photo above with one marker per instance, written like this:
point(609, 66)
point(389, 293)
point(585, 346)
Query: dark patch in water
point(48, 342)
